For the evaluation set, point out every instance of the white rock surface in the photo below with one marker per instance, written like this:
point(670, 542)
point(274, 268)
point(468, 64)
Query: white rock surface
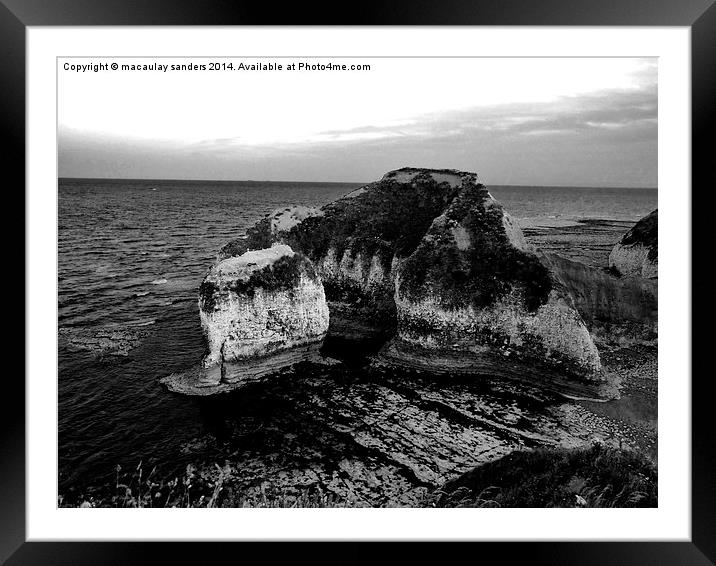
point(284, 219)
point(514, 233)
point(558, 327)
point(367, 274)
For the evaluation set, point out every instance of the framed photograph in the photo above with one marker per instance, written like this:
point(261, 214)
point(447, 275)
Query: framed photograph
point(398, 280)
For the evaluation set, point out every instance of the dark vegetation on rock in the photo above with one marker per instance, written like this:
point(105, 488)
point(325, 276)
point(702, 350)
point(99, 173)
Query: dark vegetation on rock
point(207, 294)
point(233, 248)
point(202, 486)
point(282, 275)
point(480, 274)
point(257, 237)
point(389, 218)
point(598, 476)
point(646, 233)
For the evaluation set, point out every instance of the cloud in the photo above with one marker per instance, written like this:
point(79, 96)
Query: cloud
point(629, 111)
point(602, 138)
point(616, 114)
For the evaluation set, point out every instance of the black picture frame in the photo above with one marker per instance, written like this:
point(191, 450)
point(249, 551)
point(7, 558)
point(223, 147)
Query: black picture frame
point(699, 15)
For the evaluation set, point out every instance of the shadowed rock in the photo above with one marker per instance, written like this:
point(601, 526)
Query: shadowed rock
point(613, 308)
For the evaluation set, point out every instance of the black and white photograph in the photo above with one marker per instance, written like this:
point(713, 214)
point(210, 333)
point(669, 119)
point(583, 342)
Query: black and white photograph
point(357, 282)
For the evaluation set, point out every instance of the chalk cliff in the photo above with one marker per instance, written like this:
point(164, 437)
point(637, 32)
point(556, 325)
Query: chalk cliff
point(637, 253)
point(423, 258)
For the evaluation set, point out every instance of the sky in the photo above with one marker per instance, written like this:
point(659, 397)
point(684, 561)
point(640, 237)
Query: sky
point(519, 121)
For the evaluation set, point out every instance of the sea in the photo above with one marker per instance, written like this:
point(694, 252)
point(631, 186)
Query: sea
point(131, 256)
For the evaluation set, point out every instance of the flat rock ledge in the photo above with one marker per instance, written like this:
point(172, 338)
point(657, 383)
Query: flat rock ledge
point(454, 363)
point(202, 381)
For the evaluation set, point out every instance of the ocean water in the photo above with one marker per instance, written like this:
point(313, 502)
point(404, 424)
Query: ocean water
point(131, 255)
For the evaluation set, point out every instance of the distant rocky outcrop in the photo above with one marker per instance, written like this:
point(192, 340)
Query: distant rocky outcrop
point(637, 253)
point(424, 259)
point(108, 340)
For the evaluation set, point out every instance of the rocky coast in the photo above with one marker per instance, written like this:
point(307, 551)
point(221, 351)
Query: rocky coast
point(395, 339)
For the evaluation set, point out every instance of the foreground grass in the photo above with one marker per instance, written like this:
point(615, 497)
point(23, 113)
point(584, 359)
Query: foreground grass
point(207, 487)
point(597, 476)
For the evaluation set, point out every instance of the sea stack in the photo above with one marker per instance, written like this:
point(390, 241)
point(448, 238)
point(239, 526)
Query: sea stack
point(424, 260)
point(259, 311)
point(473, 295)
point(637, 253)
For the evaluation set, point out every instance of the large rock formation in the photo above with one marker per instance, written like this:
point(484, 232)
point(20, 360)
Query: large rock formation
point(637, 253)
point(355, 241)
point(424, 257)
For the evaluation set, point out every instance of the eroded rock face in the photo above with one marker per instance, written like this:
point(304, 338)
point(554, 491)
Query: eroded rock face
point(637, 253)
point(261, 303)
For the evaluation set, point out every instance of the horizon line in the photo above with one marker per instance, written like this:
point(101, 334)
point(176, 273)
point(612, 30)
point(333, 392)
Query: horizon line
point(345, 182)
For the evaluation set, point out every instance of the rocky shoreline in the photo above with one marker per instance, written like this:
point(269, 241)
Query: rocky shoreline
point(339, 428)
